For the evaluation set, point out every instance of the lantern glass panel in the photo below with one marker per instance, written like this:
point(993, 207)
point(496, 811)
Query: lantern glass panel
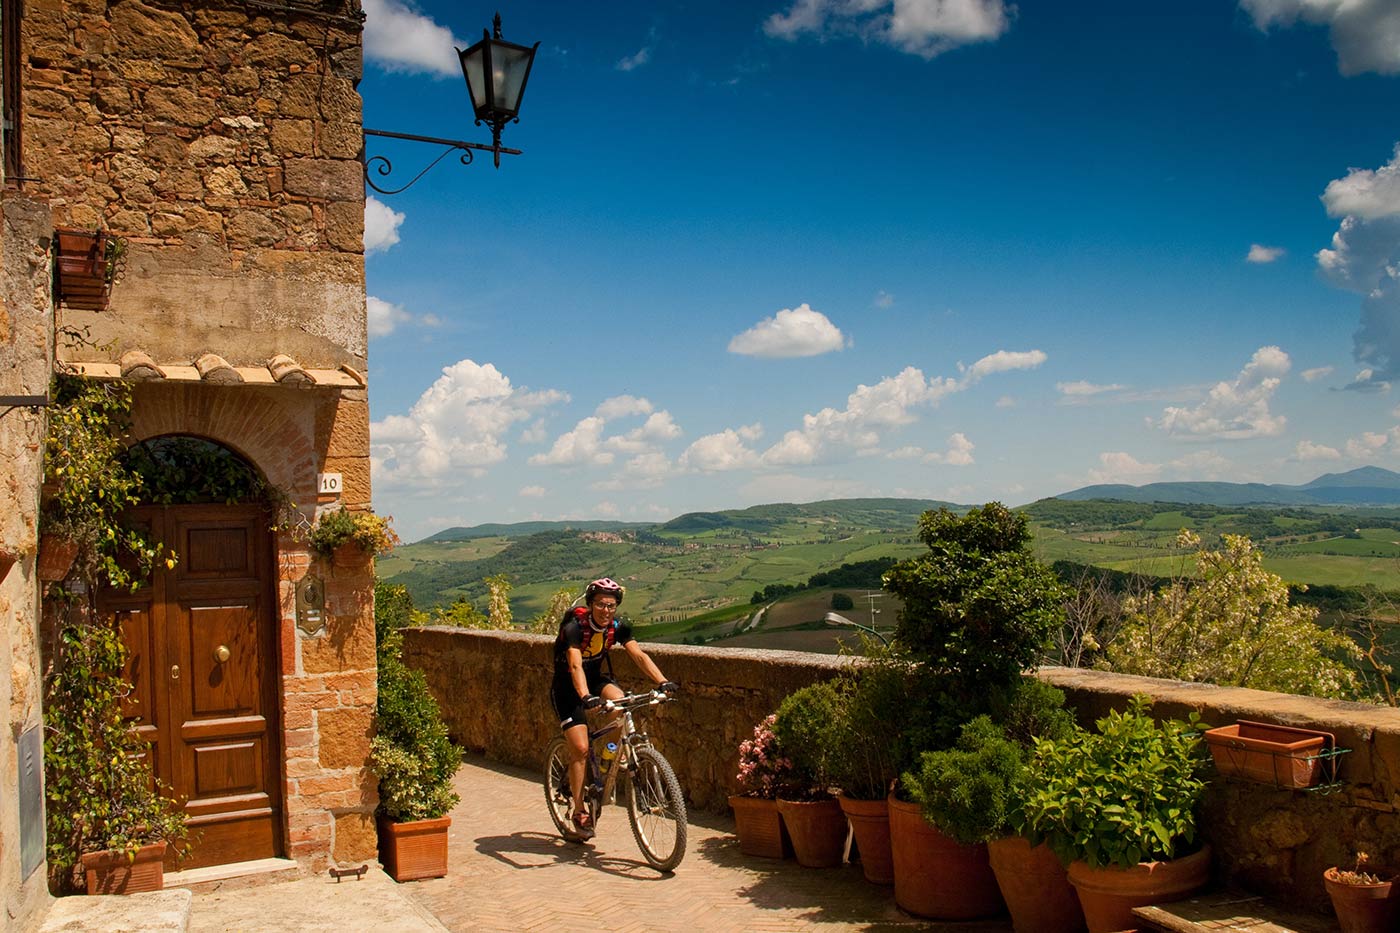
point(474, 69)
point(509, 65)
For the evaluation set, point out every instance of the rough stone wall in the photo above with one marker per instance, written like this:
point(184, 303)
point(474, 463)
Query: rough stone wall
point(26, 347)
point(327, 677)
point(221, 140)
point(493, 689)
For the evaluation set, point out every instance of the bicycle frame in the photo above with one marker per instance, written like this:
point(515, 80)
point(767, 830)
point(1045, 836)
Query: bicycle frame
point(628, 740)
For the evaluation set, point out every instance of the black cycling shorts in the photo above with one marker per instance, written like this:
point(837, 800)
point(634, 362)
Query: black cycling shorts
point(569, 705)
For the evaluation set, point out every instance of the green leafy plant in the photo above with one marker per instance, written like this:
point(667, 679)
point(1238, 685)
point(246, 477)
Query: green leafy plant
point(978, 611)
point(1122, 795)
point(805, 730)
point(411, 754)
point(970, 791)
point(977, 790)
point(1233, 623)
point(369, 532)
point(874, 702)
point(97, 774)
point(89, 486)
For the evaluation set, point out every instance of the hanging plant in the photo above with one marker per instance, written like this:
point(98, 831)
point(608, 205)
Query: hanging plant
point(371, 533)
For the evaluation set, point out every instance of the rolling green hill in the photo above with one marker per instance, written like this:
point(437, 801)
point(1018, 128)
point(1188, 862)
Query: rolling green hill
point(692, 564)
point(704, 561)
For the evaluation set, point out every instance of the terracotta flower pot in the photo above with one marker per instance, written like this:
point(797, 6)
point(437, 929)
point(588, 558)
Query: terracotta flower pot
point(413, 850)
point(760, 827)
point(870, 824)
point(56, 556)
point(1269, 754)
point(112, 871)
point(1034, 884)
point(1108, 895)
point(818, 831)
point(1363, 908)
point(934, 876)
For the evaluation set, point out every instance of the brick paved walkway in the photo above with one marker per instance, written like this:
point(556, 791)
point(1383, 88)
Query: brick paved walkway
point(510, 871)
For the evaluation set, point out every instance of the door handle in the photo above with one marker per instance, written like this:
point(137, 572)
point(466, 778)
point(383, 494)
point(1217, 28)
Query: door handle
point(221, 654)
point(174, 672)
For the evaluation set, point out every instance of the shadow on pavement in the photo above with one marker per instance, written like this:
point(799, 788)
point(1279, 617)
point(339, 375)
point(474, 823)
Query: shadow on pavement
point(529, 850)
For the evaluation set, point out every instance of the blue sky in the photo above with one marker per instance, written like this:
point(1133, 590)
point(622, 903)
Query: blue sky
point(956, 249)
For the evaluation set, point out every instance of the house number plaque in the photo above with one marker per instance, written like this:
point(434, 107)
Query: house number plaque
point(311, 605)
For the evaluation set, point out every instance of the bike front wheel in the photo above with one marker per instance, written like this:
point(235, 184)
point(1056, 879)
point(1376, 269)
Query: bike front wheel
point(656, 809)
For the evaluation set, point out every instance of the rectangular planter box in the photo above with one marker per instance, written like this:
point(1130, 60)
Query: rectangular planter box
point(1283, 756)
point(410, 851)
point(113, 872)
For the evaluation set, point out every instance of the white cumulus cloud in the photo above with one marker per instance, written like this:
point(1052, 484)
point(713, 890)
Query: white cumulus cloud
point(1260, 254)
point(720, 452)
point(1365, 33)
point(384, 317)
point(531, 492)
point(457, 425)
point(1081, 389)
point(1365, 258)
point(399, 38)
point(1307, 450)
point(926, 28)
point(791, 332)
point(382, 224)
point(580, 447)
point(959, 452)
point(1003, 361)
point(1316, 373)
point(1237, 409)
point(1120, 467)
point(620, 406)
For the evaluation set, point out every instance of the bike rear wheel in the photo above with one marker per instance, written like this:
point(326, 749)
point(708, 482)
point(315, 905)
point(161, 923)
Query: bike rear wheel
point(656, 809)
point(556, 790)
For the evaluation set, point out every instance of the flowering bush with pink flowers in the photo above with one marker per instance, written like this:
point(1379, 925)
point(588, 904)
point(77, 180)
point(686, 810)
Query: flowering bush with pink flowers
point(764, 770)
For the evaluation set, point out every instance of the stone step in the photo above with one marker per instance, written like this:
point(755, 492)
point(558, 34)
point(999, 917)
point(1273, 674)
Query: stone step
point(151, 912)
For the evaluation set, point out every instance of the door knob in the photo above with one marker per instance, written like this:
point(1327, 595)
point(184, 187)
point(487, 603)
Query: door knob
point(174, 672)
point(221, 654)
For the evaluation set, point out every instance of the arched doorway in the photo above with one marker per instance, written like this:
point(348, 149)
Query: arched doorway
point(203, 647)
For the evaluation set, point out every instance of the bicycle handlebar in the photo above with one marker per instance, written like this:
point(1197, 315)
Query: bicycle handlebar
point(636, 701)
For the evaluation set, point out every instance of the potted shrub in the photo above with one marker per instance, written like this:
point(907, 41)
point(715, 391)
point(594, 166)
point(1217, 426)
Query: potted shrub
point(1119, 806)
point(764, 773)
point(350, 537)
point(978, 611)
point(1363, 897)
point(411, 754)
point(873, 696)
point(811, 814)
point(974, 795)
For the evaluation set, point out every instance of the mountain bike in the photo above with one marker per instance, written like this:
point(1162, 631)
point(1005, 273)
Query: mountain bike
point(655, 805)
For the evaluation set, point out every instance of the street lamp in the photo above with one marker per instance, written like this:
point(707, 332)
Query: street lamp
point(838, 620)
point(496, 72)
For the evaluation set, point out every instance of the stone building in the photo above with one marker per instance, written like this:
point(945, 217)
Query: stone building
point(220, 141)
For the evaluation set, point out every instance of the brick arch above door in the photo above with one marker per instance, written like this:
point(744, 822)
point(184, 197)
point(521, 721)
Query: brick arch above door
point(274, 429)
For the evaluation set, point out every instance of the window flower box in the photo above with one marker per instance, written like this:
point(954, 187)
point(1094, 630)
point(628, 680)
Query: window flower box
point(1283, 756)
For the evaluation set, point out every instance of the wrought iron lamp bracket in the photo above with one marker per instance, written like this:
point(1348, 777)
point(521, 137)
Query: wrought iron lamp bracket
point(383, 167)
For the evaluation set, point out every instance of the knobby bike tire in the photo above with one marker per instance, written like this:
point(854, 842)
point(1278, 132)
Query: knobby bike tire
point(556, 790)
point(656, 809)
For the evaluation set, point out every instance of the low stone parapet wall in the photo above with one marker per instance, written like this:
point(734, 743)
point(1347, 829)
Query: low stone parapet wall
point(493, 688)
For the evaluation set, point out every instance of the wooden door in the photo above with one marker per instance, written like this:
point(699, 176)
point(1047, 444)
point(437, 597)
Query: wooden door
point(203, 662)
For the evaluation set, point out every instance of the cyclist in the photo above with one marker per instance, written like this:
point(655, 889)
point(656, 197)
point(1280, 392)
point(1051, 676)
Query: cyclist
point(586, 634)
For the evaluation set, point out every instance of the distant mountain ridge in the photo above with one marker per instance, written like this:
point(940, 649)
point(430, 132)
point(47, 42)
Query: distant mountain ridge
point(892, 514)
point(1368, 485)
